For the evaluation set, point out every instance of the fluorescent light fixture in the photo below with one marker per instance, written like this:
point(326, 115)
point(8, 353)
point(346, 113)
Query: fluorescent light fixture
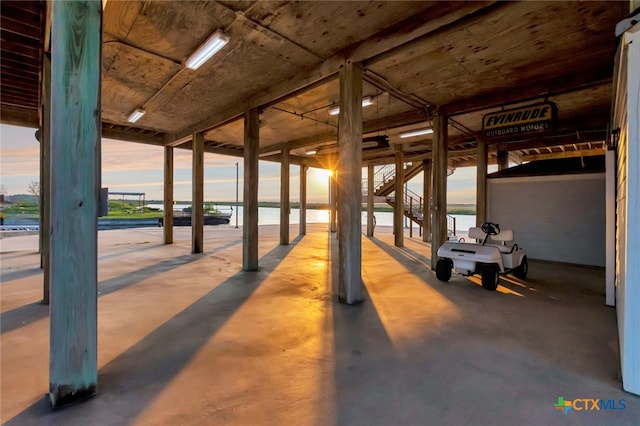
point(311, 152)
point(416, 133)
point(367, 101)
point(135, 115)
point(209, 48)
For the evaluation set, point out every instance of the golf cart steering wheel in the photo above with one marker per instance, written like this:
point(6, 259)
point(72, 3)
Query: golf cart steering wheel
point(490, 228)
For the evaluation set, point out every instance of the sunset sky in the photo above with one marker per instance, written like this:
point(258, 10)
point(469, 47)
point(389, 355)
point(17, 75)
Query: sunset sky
point(134, 167)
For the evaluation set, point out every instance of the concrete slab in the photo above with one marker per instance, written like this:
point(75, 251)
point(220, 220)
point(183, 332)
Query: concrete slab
point(191, 339)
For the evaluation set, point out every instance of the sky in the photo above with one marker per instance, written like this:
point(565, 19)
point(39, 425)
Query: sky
point(135, 167)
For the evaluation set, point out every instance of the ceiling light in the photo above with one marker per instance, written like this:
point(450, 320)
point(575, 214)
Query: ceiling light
point(209, 48)
point(367, 101)
point(135, 115)
point(416, 133)
point(312, 152)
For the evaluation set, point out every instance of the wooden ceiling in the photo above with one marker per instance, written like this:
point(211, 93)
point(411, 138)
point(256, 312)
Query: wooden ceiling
point(463, 59)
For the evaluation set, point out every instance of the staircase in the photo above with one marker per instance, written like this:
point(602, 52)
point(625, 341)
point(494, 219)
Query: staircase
point(384, 180)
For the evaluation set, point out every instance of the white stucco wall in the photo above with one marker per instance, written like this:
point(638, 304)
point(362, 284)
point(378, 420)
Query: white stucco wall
point(558, 218)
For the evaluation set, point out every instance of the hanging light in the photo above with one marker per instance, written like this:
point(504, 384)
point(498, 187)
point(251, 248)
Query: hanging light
point(416, 133)
point(209, 48)
point(366, 101)
point(135, 115)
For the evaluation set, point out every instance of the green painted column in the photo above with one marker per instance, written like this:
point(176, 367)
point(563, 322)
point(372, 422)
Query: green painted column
point(75, 184)
point(45, 180)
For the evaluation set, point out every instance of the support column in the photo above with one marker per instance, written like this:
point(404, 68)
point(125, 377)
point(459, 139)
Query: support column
point(75, 181)
point(426, 200)
point(303, 199)
point(45, 178)
point(481, 183)
point(250, 197)
point(333, 201)
point(197, 197)
point(168, 195)
point(439, 186)
point(285, 205)
point(370, 197)
point(350, 184)
point(398, 205)
point(503, 160)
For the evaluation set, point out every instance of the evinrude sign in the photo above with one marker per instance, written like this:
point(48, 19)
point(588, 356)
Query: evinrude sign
point(520, 121)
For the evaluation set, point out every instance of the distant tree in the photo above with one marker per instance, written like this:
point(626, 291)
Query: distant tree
point(3, 190)
point(34, 189)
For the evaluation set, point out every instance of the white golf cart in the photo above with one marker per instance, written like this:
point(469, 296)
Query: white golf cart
point(492, 254)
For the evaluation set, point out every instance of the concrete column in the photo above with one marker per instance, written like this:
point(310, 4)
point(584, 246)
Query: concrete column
point(503, 160)
point(75, 181)
point(439, 186)
point(481, 183)
point(45, 178)
point(370, 197)
point(303, 199)
point(398, 206)
point(350, 184)
point(197, 197)
point(168, 195)
point(250, 198)
point(333, 200)
point(426, 200)
point(285, 206)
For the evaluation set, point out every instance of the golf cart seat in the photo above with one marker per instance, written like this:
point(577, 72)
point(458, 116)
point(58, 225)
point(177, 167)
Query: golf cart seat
point(477, 234)
point(505, 236)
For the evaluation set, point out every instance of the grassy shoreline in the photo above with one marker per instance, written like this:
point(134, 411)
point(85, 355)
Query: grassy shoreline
point(120, 210)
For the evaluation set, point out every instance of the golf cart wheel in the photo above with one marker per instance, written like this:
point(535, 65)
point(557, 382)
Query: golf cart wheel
point(521, 271)
point(443, 269)
point(490, 277)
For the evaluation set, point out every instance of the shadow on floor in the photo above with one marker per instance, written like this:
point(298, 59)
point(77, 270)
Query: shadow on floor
point(27, 314)
point(147, 367)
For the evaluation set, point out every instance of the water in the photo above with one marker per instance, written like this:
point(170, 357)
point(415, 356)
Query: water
point(271, 216)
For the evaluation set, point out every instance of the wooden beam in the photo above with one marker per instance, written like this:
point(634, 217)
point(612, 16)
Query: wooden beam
point(568, 83)
point(250, 198)
point(168, 195)
point(439, 186)
point(303, 199)
point(426, 200)
point(398, 205)
point(75, 182)
point(18, 116)
point(481, 183)
point(284, 198)
point(565, 154)
point(112, 131)
point(370, 198)
point(386, 42)
point(350, 185)
point(197, 186)
point(333, 201)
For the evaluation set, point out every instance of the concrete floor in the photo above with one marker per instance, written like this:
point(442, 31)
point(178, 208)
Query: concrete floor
point(190, 339)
